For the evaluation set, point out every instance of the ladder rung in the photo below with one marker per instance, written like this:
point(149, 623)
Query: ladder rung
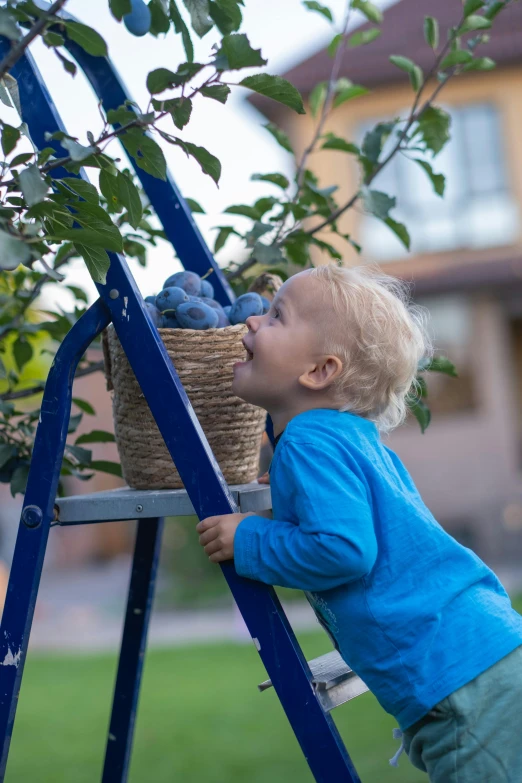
point(333, 680)
point(125, 503)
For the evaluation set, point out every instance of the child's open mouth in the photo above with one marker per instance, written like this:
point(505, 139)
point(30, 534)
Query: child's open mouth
point(249, 357)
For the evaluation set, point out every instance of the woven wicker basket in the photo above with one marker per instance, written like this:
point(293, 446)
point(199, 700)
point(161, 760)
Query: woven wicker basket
point(204, 362)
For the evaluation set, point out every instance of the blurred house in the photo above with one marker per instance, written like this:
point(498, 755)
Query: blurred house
point(466, 259)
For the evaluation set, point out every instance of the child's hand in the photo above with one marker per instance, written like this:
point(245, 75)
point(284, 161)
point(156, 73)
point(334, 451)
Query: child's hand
point(216, 535)
point(264, 479)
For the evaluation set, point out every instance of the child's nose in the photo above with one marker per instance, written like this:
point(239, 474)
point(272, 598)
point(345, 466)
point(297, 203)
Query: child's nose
point(253, 322)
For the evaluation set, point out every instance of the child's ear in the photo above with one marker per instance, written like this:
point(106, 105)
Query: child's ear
point(321, 375)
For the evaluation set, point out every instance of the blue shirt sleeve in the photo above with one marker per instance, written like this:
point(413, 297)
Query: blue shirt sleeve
point(332, 540)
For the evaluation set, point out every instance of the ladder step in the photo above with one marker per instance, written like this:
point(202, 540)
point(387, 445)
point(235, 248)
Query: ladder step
point(126, 503)
point(333, 680)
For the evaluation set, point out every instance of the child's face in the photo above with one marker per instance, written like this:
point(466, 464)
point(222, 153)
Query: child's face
point(284, 347)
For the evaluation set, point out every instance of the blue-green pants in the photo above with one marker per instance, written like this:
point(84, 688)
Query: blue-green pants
point(474, 735)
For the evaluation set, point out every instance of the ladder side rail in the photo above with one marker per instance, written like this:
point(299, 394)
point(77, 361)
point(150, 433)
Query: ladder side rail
point(37, 514)
point(258, 603)
point(132, 650)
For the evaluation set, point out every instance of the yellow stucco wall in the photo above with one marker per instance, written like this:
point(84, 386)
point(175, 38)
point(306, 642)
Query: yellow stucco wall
point(502, 87)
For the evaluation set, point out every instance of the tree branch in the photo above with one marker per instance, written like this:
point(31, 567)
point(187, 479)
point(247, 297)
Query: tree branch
point(18, 49)
point(21, 393)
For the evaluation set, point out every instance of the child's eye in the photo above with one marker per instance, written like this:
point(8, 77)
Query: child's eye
point(275, 313)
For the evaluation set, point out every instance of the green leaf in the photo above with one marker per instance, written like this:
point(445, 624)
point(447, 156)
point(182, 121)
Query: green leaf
point(474, 22)
point(350, 92)
point(96, 260)
point(378, 203)
point(22, 352)
point(181, 28)
point(160, 79)
point(276, 179)
point(226, 14)
point(431, 31)
point(33, 185)
point(10, 138)
point(244, 210)
point(267, 254)
point(434, 125)
point(457, 57)
point(276, 88)
point(6, 452)
point(470, 6)
point(146, 152)
point(224, 233)
point(19, 480)
point(19, 160)
point(80, 456)
point(421, 412)
point(79, 293)
point(120, 8)
point(180, 109)
point(87, 38)
point(219, 92)
point(98, 235)
point(96, 436)
point(400, 230)
point(374, 140)
point(437, 180)
point(371, 11)
point(321, 9)
point(78, 152)
point(104, 466)
point(84, 406)
point(334, 142)
point(494, 9)
point(414, 72)
point(109, 188)
point(236, 49)
point(280, 136)
point(480, 64)
point(194, 206)
point(74, 422)
point(209, 163)
point(199, 16)
point(317, 97)
point(53, 39)
point(82, 188)
point(326, 246)
point(130, 198)
point(159, 17)
point(439, 364)
point(8, 26)
point(334, 44)
point(363, 37)
point(13, 251)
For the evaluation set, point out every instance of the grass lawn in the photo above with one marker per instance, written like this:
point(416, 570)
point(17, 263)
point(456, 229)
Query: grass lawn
point(201, 720)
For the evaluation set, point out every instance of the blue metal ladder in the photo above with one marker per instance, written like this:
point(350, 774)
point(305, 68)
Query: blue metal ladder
point(307, 692)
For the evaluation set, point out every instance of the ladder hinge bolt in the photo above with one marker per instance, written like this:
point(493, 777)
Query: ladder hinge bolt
point(139, 507)
point(114, 293)
point(32, 516)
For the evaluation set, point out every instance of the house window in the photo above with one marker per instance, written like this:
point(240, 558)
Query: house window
point(477, 210)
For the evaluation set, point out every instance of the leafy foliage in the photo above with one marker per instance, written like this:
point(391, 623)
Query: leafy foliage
point(44, 223)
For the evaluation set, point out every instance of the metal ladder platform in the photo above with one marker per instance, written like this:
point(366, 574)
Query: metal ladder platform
point(303, 690)
point(125, 503)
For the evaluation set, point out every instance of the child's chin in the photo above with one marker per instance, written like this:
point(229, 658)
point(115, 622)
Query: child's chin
point(241, 390)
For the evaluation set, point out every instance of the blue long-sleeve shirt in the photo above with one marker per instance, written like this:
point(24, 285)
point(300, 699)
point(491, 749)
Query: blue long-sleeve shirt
point(413, 613)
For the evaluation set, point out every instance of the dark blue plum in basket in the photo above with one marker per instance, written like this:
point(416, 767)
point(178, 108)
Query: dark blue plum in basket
point(196, 315)
point(245, 306)
point(154, 313)
point(207, 289)
point(189, 281)
point(169, 321)
point(170, 298)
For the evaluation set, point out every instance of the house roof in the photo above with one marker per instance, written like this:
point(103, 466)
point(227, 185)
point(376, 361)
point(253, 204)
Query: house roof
point(402, 33)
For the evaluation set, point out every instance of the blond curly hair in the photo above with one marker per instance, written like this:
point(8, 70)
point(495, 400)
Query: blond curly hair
point(380, 337)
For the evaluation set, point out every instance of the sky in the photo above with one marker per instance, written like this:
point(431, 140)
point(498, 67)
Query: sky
point(285, 32)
